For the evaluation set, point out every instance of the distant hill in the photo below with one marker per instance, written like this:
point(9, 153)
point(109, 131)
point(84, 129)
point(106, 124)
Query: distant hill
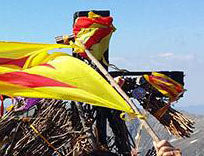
point(193, 146)
point(195, 109)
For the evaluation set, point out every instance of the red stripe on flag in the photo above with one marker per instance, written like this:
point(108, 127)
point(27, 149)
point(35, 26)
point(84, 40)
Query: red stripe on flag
point(98, 35)
point(18, 62)
point(32, 80)
point(85, 22)
point(162, 86)
point(177, 86)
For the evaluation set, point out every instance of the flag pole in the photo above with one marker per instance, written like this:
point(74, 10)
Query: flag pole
point(123, 94)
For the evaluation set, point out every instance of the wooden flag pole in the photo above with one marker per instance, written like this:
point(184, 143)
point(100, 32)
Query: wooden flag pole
point(123, 94)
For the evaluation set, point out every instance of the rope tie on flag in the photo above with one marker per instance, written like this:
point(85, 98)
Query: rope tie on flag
point(131, 116)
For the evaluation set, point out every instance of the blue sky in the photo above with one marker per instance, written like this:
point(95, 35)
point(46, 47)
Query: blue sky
point(151, 34)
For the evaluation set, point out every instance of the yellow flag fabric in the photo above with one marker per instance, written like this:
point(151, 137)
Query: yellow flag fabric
point(22, 55)
point(61, 77)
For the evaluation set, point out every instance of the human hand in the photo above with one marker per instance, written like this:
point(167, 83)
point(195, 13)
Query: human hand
point(164, 148)
point(134, 152)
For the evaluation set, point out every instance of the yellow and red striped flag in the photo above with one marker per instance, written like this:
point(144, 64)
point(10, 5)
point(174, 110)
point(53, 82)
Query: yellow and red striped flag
point(28, 70)
point(165, 85)
point(92, 33)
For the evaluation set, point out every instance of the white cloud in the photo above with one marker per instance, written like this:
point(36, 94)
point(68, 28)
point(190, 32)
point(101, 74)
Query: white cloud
point(178, 57)
point(166, 54)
